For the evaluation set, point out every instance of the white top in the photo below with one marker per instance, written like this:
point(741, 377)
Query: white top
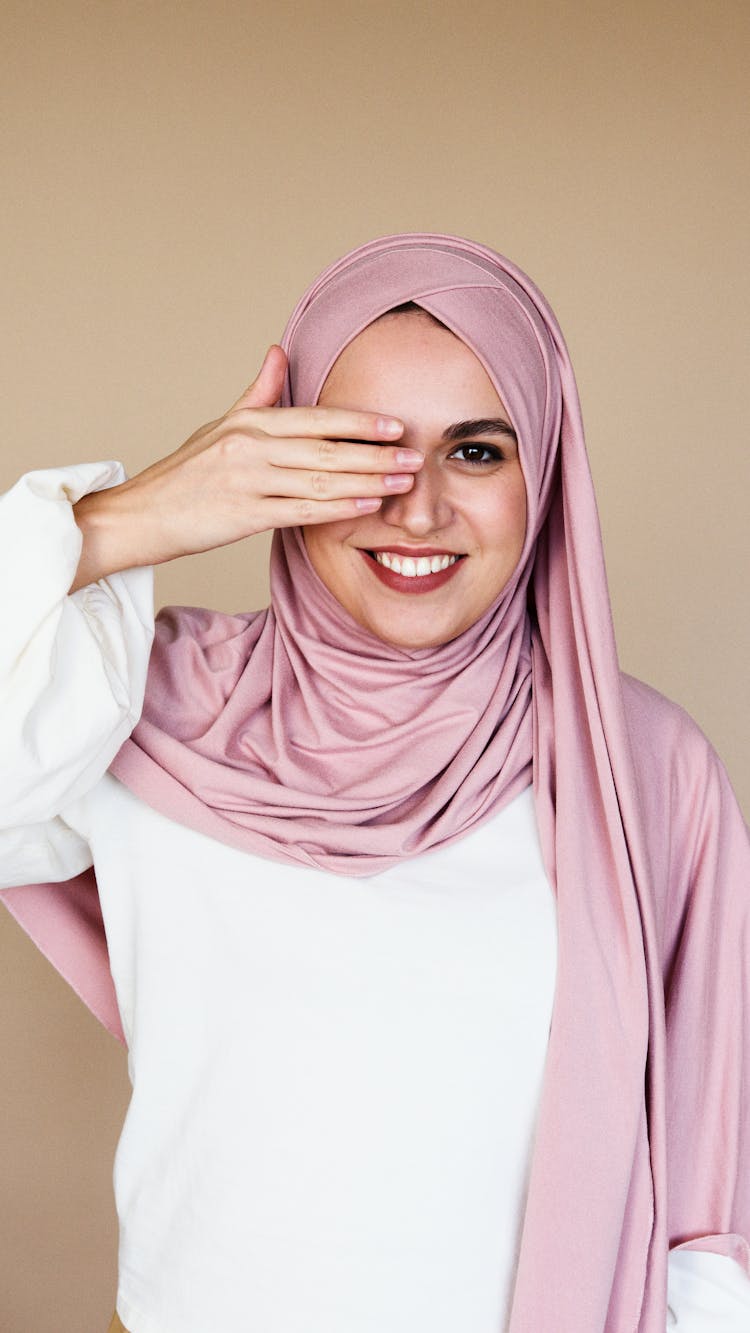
point(335, 1080)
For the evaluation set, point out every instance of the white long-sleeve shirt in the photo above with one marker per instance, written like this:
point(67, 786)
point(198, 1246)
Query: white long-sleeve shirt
point(335, 1080)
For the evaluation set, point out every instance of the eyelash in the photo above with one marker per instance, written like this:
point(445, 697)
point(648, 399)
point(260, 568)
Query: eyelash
point(496, 456)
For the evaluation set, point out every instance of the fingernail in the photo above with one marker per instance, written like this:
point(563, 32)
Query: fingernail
point(409, 456)
point(397, 482)
point(389, 426)
point(368, 506)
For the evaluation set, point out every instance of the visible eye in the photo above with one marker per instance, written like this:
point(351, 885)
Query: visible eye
point(493, 454)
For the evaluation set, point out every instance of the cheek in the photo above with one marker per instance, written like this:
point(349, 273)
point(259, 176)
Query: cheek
point(504, 518)
point(324, 543)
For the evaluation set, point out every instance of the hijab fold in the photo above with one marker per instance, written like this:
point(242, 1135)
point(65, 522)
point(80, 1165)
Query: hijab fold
point(296, 734)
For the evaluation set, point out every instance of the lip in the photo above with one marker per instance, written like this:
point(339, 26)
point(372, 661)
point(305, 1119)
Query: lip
point(402, 582)
point(414, 551)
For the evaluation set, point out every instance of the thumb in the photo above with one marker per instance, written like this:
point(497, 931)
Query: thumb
point(265, 389)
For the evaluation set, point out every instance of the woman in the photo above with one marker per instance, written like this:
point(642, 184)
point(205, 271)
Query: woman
point(428, 928)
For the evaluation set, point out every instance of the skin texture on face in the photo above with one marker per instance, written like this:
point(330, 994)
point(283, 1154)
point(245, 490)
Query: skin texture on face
point(468, 498)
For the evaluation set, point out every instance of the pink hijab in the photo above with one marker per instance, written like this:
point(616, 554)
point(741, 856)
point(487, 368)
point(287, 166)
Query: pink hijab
point(294, 733)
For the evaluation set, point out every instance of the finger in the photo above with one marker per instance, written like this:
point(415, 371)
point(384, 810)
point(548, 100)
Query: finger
point(304, 485)
point(265, 389)
point(342, 456)
point(300, 513)
point(339, 423)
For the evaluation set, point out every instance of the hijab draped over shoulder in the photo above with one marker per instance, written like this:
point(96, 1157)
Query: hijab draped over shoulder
point(296, 734)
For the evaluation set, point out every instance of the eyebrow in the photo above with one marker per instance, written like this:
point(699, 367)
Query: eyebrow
point(463, 430)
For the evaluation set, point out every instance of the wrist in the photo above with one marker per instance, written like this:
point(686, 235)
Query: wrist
point(114, 535)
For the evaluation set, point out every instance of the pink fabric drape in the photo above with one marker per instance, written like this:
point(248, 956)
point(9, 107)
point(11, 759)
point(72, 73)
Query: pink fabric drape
point(294, 733)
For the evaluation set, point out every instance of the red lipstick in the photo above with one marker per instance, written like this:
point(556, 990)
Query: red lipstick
point(402, 582)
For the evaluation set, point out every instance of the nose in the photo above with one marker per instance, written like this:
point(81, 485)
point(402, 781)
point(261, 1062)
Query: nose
point(422, 510)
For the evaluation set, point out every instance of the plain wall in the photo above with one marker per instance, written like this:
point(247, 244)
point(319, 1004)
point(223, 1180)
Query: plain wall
point(177, 173)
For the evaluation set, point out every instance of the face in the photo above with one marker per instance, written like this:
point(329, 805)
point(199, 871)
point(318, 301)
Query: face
point(468, 500)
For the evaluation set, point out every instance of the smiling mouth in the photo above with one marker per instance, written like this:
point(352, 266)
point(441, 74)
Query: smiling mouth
point(417, 573)
point(413, 567)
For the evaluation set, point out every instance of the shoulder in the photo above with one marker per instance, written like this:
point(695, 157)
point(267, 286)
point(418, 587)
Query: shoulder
point(198, 654)
point(196, 633)
point(668, 745)
point(647, 709)
point(685, 793)
point(199, 624)
point(696, 834)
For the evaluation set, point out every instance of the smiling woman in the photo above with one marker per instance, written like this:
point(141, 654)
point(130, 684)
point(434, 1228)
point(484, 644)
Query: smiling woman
point(426, 927)
point(452, 533)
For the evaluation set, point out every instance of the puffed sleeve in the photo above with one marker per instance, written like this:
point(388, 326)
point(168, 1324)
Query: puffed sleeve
point(72, 669)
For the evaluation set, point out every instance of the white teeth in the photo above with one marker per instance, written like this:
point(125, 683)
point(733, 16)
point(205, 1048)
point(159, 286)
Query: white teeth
point(414, 569)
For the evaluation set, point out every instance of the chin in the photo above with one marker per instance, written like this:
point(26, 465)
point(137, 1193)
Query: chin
point(409, 639)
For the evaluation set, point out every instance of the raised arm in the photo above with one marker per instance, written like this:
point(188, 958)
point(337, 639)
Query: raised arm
point(76, 547)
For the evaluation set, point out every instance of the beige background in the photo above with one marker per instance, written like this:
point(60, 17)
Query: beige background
point(177, 173)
